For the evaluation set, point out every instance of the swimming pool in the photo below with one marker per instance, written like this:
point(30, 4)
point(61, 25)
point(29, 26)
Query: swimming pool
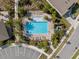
point(36, 27)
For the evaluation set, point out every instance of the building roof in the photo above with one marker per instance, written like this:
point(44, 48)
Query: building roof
point(3, 31)
point(61, 6)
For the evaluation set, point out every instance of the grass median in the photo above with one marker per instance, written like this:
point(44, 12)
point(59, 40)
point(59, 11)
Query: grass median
point(76, 54)
point(43, 56)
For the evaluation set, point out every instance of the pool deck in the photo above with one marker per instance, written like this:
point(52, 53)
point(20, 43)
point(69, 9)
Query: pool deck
point(39, 13)
point(41, 36)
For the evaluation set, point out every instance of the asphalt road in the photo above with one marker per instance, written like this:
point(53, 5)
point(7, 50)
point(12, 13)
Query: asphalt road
point(69, 49)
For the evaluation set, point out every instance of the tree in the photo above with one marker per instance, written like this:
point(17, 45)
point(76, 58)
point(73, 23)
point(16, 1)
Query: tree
point(25, 2)
point(46, 18)
point(1, 43)
point(9, 42)
point(9, 22)
point(9, 6)
point(54, 18)
point(55, 40)
point(21, 11)
point(32, 43)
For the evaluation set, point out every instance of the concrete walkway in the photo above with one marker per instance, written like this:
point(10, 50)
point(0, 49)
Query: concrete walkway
point(16, 18)
point(16, 9)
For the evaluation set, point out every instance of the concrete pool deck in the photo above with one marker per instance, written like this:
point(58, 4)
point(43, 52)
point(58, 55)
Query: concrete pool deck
point(42, 36)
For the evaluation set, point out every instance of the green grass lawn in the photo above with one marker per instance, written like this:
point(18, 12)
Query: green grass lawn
point(43, 57)
point(76, 54)
point(65, 23)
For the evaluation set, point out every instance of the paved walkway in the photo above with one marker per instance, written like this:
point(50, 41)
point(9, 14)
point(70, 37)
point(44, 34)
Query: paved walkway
point(16, 17)
point(16, 9)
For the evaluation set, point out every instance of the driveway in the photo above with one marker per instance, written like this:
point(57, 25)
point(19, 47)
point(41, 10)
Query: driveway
point(69, 49)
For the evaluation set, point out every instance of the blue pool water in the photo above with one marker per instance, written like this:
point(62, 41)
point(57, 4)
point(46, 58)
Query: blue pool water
point(36, 27)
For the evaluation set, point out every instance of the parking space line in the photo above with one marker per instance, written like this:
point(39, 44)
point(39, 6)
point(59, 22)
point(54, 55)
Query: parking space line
point(1, 54)
point(6, 52)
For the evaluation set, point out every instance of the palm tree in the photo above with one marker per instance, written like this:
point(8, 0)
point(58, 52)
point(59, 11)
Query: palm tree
point(46, 18)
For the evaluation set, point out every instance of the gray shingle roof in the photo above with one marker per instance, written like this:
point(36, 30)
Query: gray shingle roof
point(3, 31)
point(62, 6)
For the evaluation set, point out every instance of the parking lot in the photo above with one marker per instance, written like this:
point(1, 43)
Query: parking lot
point(17, 52)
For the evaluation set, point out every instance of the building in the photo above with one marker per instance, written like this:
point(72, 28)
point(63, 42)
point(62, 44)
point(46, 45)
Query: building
point(62, 6)
point(3, 31)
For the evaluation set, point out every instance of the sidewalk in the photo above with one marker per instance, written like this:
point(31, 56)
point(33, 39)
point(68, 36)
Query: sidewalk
point(16, 17)
point(16, 9)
